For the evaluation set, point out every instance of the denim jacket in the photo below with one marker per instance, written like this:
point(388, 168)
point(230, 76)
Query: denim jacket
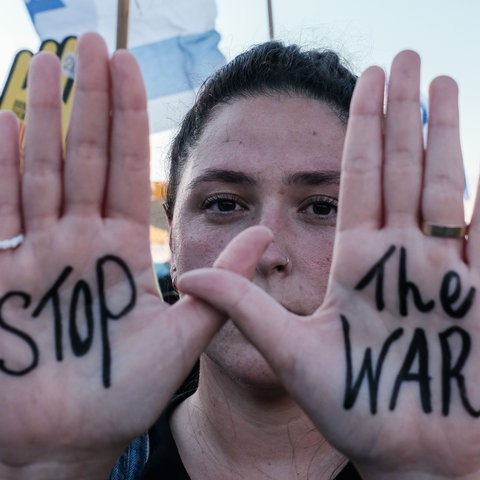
point(131, 463)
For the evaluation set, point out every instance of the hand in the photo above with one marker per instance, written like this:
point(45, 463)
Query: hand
point(386, 368)
point(89, 354)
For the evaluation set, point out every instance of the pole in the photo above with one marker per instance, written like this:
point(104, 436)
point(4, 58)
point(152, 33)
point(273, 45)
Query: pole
point(122, 23)
point(270, 19)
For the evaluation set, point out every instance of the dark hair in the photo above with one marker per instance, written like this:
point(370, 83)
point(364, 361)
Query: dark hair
point(266, 69)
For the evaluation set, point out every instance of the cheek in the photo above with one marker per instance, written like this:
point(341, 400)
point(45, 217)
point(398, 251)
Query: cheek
point(323, 260)
point(192, 251)
point(315, 261)
point(196, 247)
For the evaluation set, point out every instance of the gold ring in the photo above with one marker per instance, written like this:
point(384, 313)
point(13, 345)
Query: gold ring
point(444, 231)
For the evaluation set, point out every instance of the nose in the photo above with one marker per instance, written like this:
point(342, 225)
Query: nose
point(275, 260)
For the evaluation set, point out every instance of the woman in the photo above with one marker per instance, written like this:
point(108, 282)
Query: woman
point(386, 367)
point(90, 358)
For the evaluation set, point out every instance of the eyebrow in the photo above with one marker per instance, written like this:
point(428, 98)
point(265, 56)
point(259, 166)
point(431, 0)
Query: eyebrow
point(306, 178)
point(312, 178)
point(224, 176)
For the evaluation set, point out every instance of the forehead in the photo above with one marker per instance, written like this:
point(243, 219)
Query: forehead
point(268, 134)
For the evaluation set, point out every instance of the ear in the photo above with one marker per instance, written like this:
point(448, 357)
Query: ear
point(168, 213)
point(173, 265)
point(173, 262)
point(173, 275)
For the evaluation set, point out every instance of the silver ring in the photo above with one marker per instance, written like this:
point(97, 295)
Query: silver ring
point(13, 242)
point(444, 231)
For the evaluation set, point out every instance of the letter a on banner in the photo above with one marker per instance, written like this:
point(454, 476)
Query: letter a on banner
point(14, 95)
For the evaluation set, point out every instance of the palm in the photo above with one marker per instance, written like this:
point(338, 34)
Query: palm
point(402, 375)
point(65, 362)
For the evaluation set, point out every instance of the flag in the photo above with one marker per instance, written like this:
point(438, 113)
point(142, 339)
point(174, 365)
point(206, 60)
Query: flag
point(174, 41)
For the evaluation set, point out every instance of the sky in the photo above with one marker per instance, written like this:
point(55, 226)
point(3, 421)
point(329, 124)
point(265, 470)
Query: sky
point(446, 34)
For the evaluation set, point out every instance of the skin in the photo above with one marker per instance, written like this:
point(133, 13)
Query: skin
point(290, 184)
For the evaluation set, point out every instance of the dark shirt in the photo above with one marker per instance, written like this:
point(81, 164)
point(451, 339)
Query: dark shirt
point(165, 463)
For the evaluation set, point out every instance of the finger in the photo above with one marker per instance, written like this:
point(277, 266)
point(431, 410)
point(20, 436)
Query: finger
point(41, 185)
point(242, 254)
point(129, 182)
point(473, 245)
point(442, 201)
point(192, 321)
point(88, 136)
point(403, 168)
point(362, 157)
point(10, 212)
point(265, 322)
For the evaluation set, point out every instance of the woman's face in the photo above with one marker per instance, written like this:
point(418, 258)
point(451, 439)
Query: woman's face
point(272, 161)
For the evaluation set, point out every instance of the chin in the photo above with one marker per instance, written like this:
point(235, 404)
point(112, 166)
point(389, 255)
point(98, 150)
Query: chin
point(232, 355)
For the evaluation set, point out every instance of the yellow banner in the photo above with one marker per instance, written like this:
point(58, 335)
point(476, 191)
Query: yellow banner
point(14, 95)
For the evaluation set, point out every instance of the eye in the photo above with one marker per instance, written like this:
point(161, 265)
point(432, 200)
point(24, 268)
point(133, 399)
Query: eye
point(321, 207)
point(223, 203)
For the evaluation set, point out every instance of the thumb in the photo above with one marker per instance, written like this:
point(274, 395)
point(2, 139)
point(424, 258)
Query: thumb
point(184, 329)
point(268, 325)
point(193, 319)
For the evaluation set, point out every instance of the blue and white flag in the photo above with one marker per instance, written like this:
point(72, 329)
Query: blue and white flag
point(174, 41)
